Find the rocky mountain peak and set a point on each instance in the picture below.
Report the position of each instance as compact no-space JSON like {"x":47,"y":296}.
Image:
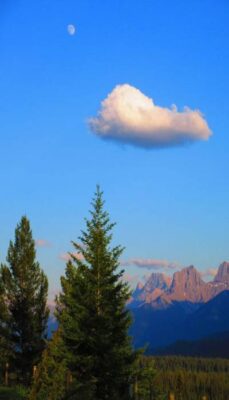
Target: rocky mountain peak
{"x":223,"y":273}
{"x":139,"y":286}
{"x":187,"y":278}
{"x":157,"y":280}
{"x":155,"y":285}
{"x":187,"y":285}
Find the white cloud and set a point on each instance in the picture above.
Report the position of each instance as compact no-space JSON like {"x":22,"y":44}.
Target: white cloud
{"x":129,"y":116}
{"x":150,"y":263}
{"x":70,"y":256}
{"x":209,"y":273}
{"x":42,"y":243}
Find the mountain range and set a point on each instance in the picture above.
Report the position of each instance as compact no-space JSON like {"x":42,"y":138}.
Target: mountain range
{"x":183,"y":307}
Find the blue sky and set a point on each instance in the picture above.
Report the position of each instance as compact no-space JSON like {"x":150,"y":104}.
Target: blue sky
{"x":170,"y":203}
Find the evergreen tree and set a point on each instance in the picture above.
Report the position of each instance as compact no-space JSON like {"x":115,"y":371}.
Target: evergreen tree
{"x":4,"y":334}
{"x":51,"y":377}
{"x":144,"y":387}
{"x":25,"y":295}
{"x":93,"y":316}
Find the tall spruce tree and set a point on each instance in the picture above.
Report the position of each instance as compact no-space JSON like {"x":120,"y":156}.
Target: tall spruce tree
{"x":92,"y":313}
{"x":4,"y":343}
{"x":25,"y":289}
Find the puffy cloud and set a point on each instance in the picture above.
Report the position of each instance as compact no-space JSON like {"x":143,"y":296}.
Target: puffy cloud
{"x":69,"y":256}
{"x":209,"y":273}
{"x":42,"y":243}
{"x":150,"y":263}
{"x":129,"y":116}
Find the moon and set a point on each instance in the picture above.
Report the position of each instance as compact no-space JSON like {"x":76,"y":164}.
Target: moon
{"x":71,"y":29}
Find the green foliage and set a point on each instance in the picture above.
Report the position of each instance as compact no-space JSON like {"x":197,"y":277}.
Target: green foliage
{"x":24,"y":293}
{"x":143,"y":386}
{"x":4,"y":344}
{"x":50,"y":379}
{"x":16,"y":393}
{"x":93,"y":316}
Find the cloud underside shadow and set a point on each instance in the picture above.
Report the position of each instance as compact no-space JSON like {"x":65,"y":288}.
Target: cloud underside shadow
{"x":150,"y":264}
{"x":128,"y":116}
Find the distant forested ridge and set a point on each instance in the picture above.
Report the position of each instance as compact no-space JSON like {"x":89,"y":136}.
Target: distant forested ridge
{"x":192,"y":378}
{"x":211,"y":346}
